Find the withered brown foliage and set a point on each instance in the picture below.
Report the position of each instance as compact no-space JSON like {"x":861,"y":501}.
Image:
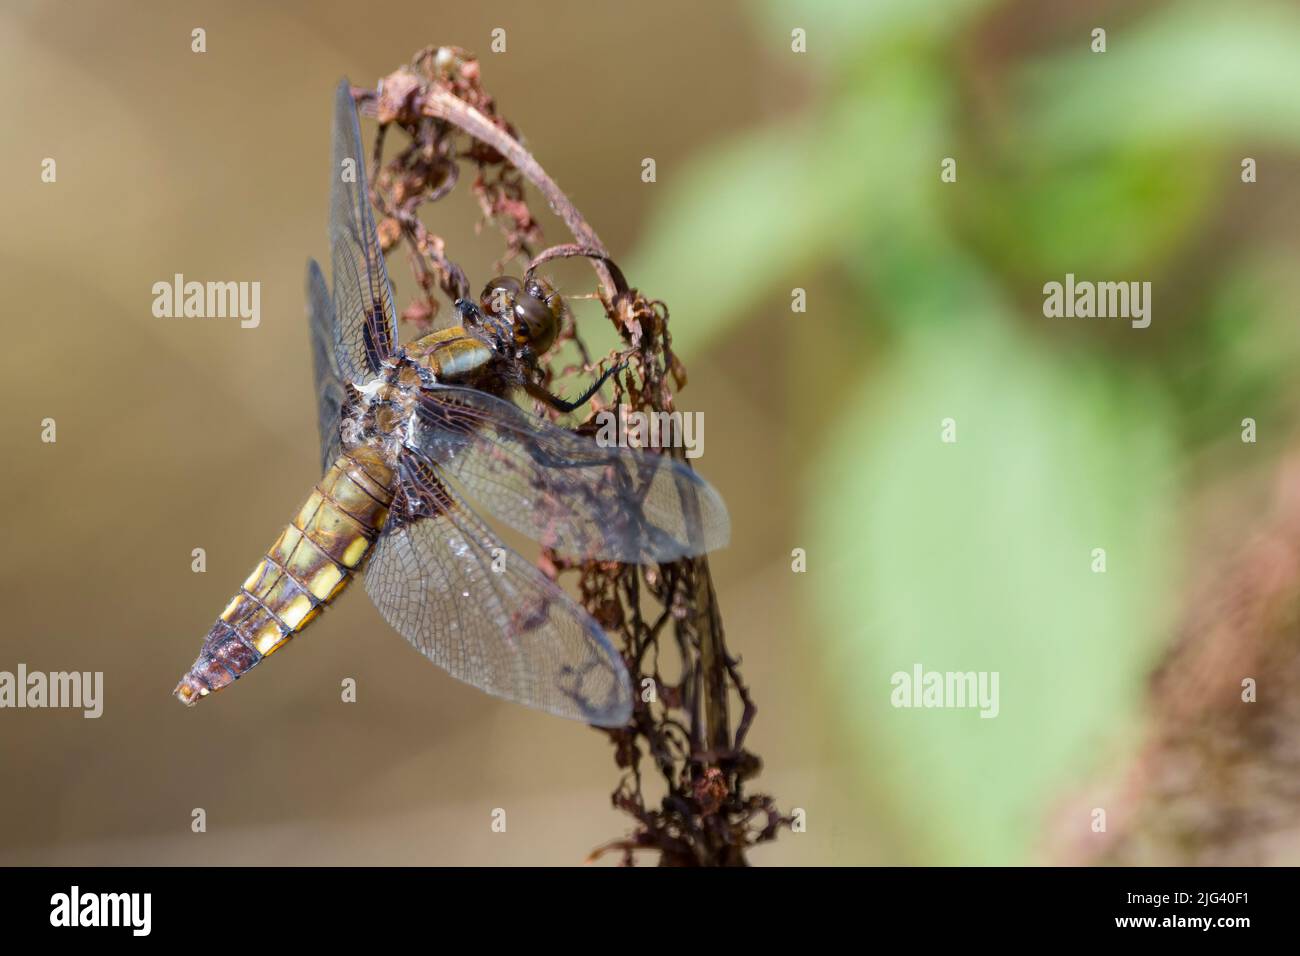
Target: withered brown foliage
{"x":661,"y":617}
{"x":1217,"y":780}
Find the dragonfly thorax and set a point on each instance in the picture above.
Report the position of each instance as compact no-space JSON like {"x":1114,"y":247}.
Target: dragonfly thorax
{"x":382,"y":411}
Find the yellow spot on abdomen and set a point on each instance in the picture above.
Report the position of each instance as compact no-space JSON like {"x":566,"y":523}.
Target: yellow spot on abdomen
{"x":252,"y":581}
{"x":324,"y":582}
{"x":233,"y":606}
{"x":355,"y":551}
{"x":296,"y":611}
{"x":267,"y":638}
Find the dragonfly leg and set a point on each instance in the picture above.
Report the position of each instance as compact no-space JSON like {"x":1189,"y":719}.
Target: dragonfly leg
{"x":563,"y":405}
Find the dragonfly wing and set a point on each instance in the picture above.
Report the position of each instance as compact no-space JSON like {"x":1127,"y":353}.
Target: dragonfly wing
{"x":476,"y":608}
{"x":564,"y":490}
{"x":330,"y":394}
{"x":363,"y":299}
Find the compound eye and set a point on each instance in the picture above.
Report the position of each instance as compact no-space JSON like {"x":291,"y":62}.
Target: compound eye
{"x":499,"y":295}
{"x":535,"y":323}
{"x":540,"y":289}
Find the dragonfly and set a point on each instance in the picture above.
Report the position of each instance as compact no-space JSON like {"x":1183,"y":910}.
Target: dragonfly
{"x":417,"y":443}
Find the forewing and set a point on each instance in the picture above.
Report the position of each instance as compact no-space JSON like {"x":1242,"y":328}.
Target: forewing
{"x":564,"y":490}
{"x":363,"y":299}
{"x":511,"y":632}
{"x":330,"y":394}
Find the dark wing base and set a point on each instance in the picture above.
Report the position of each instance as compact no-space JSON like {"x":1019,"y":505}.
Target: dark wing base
{"x":585,"y":501}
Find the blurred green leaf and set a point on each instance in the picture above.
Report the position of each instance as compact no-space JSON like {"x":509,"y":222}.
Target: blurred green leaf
{"x":749,"y":212}
{"x":1191,"y":71}
{"x":1244,"y":362}
{"x":1107,"y":215}
{"x":772,"y":208}
{"x":975,"y":556}
{"x":850,"y":29}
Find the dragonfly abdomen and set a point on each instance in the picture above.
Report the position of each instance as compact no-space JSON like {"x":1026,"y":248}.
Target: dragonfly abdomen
{"x":309,"y":565}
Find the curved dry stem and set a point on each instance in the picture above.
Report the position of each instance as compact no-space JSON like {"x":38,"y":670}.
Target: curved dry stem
{"x":440,"y":104}
{"x":706,"y":817}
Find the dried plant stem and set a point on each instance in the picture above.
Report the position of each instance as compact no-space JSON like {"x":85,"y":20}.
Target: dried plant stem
{"x":705,"y":818}
{"x":442,"y":105}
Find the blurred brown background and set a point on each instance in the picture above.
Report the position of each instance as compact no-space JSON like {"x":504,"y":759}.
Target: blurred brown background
{"x":183,"y":433}
{"x":777,"y":170}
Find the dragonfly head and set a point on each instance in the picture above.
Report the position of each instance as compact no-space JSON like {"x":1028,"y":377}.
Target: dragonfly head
{"x":533,"y":309}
